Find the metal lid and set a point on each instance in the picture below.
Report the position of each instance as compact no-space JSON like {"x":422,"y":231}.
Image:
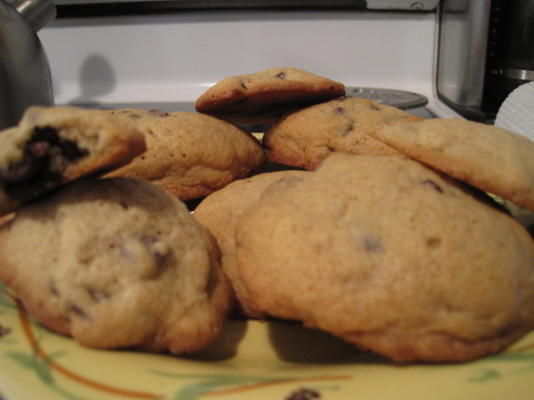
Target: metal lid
{"x":391,"y":97}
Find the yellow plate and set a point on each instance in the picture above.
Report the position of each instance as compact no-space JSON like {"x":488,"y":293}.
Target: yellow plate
{"x":252,"y":360}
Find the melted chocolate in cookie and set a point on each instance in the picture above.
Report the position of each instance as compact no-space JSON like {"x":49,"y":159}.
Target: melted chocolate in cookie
{"x":35,"y":168}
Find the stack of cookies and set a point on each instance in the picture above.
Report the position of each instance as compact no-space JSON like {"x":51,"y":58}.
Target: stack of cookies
{"x":118,"y":262}
{"x":376,"y":225}
{"x":380,"y":230}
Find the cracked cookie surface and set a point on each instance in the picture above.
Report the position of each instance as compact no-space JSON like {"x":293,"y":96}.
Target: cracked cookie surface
{"x":116,"y":263}
{"x":384,"y":253}
{"x":265,"y":95}
{"x":306,"y":137}
{"x":189,"y":154}
{"x":54,"y":145}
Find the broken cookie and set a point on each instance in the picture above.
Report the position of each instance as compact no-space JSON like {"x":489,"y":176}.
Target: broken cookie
{"x":55,"y":145}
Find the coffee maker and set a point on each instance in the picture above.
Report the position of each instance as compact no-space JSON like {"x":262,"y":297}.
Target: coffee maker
{"x":485,"y":51}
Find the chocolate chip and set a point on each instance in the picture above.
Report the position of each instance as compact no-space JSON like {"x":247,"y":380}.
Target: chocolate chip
{"x":303,"y":394}
{"x":70,"y":150}
{"x":157,"y":249}
{"x":16,"y":172}
{"x":97,"y":295}
{"x":373,"y":245}
{"x":4,"y":330}
{"x":433,"y":185}
{"x":347,"y":126}
{"x":74,"y":309}
{"x":433,"y":242}
{"x":39,"y":149}
{"x":348,"y":129}
{"x":35,"y":165}
{"x":339,"y":110}
{"x":329,"y":148}
{"x":158,"y":113}
{"x":280,"y":75}
{"x":44,"y":138}
{"x":133,"y":116}
{"x":243,"y":84}
{"x":53,"y":289}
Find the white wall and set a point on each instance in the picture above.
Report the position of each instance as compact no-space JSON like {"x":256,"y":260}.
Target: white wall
{"x":173,"y":58}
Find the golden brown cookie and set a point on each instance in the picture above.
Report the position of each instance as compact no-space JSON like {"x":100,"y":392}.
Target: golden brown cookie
{"x":220,"y":213}
{"x":488,"y":157}
{"x":384,"y":253}
{"x":116,"y":263}
{"x":55,"y":145}
{"x":265,"y":95}
{"x":305,"y":137}
{"x":190,"y":154}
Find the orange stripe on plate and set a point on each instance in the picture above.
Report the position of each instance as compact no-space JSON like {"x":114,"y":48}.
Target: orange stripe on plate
{"x":27,"y":329}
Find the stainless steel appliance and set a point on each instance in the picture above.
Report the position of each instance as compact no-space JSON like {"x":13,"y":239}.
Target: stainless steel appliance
{"x":24,"y":70}
{"x":485,"y":50}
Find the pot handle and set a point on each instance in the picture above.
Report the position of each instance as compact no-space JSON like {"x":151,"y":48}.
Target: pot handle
{"x":37,"y":13}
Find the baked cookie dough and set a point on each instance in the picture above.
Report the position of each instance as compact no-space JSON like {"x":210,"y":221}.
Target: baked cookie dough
{"x":488,"y":157}
{"x":384,"y":253}
{"x":116,"y":263}
{"x":54,"y":145}
{"x":306,"y":137}
{"x":264,"y":96}
{"x":220,"y":213}
{"x":189,"y":154}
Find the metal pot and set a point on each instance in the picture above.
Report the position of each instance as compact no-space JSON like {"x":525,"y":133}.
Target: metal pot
{"x":25,"y":77}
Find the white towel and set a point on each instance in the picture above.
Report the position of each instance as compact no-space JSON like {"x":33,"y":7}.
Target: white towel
{"x":517,"y":111}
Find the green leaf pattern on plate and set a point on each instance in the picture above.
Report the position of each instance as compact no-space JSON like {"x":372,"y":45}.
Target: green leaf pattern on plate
{"x":483,"y":371}
{"x":207,"y":383}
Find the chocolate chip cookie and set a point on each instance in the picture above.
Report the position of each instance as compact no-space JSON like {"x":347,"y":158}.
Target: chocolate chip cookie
{"x":264,"y":96}
{"x":116,"y":263}
{"x":306,"y":137}
{"x":220,"y":213}
{"x":488,"y":157}
{"x":384,"y":253}
{"x":189,"y":154}
{"x":54,"y":145}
